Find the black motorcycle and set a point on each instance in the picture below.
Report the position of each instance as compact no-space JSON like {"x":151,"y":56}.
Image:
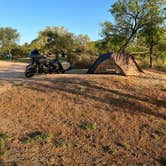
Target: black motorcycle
{"x":45,"y":65}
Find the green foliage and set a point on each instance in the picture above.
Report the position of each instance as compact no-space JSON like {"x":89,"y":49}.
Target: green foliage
{"x":58,"y":41}
{"x":8,"y":36}
{"x":131,"y":17}
{"x":158,"y":44}
{"x":8,"y":39}
{"x":55,"y":40}
{"x":52,"y":40}
{"x":152,"y":30}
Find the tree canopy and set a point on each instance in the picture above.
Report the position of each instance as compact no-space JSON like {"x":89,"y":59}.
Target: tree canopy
{"x":131,"y":17}
{"x":8,"y":38}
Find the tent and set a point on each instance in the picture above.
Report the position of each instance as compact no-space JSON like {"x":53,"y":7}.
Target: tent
{"x":115,"y":63}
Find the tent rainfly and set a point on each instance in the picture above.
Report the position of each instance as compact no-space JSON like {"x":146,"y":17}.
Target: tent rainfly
{"x":115,"y":63}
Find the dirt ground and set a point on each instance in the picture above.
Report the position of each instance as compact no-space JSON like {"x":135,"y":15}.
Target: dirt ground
{"x":82,"y":120}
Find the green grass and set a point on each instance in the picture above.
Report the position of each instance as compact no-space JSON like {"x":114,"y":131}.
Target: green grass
{"x":24,"y":60}
{"x":88,"y":126}
{"x":161,"y":67}
{"x":3,"y":139}
{"x":2,"y":146}
{"x":20,"y":120}
{"x":2,"y":163}
{"x":37,"y":136}
{"x":159,"y":64}
{"x":126,"y":146}
{"x":18,"y":84}
{"x":3,"y":136}
{"x":60,"y":143}
{"x":39,"y":99}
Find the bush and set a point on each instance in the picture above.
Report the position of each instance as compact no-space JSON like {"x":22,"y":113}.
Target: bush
{"x":83,"y":60}
{"x":158,"y":62}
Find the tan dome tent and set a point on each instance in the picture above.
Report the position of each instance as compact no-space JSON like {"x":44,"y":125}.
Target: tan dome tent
{"x":115,"y":63}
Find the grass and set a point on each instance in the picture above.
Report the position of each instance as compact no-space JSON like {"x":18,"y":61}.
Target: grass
{"x":158,"y":131}
{"x":23,"y":60}
{"x":18,"y":84}
{"x":3,"y":136}
{"x":37,"y":136}
{"x":161,"y":67}
{"x":3,"y":139}
{"x":161,"y":131}
{"x":109,"y":149}
{"x":159,"y":64}
{"x":124,"y":145}
{"x":2,"y":163}
{"x":88,"y":126}
{"x":20,"y":120}
{"x":39,"y":99}
{"x":2,"y":146}
{"x":60,"y":143}
{"x":114,"y":109}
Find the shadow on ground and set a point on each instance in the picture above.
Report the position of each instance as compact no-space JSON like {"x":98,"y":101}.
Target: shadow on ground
{"x":91,"y":91}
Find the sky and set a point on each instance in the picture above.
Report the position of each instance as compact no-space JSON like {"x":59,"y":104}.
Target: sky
{"x":77,"y":16}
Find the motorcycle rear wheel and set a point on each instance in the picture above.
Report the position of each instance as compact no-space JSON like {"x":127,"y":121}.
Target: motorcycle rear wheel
{"x":30,"y":71}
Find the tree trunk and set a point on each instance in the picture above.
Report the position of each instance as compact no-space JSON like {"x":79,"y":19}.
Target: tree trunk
{"x":150,"y":56}
{"x":10,"y":55}
{"x":124,"y":46}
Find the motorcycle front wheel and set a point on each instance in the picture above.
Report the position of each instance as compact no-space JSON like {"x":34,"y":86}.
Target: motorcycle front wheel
{"x":30,"y":71}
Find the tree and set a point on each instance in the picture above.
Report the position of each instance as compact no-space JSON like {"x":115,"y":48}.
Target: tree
{"x":81,"y":43}
{"x":112,"y":40}
{"x":153,"y":29}
{"x":160,"y":48}
{"x":8,"y":39}
{"x":131,"y":16}
{"x":152,"y":34}
{"x":56,"y":40}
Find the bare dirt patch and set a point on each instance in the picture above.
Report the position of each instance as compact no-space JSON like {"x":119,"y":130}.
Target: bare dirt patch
{"x":72,"y":119}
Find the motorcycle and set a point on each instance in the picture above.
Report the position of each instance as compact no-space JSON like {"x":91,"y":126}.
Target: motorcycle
{"x":45,"y":65}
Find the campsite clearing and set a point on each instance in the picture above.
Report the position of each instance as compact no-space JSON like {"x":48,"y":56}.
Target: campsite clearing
{"x":81,"y":119}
